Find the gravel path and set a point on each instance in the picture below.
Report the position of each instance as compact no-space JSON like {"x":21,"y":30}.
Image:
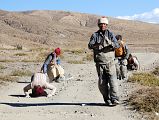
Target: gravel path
{"x":76,"y":99}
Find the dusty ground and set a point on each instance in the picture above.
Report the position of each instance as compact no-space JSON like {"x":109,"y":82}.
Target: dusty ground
{"x":38,"y":29}
{"x":76,"y":99}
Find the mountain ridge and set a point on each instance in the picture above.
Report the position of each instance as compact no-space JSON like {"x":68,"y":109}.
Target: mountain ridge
{"x":65,"y":29}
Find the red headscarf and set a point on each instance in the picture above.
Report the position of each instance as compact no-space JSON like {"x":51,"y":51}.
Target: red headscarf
{"x":58,"y":51}
{"x":38,"y":91}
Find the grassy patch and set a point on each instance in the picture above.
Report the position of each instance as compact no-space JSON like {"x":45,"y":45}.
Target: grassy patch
{"x":20,"y":54}
{"x":27,"y":60}
{"x":2,"y":67}
{"x":78,"y":51}
{"x":5,"y":60}
{"x":146,"y":79}
{"x":146,"y":100}
{"x":21,"y":73}
{"x":4,"y":79}
{"x":36,"y":57}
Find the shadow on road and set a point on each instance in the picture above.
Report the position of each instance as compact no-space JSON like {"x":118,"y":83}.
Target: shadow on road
{"x":46,"y":104}
{"x":22,"y":82}
{"x":17,"y":95}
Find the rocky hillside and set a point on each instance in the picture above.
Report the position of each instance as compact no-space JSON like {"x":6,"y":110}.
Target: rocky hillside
{"x":68,"y":29}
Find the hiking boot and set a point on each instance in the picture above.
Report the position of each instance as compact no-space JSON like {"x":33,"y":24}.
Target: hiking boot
{"x":125,"y":79}
{"x":108,"y":103}
{"x":115,"y":102}
{"x":60,"y":79}
{"x":120,"y":77}
{"x":56,"y":80}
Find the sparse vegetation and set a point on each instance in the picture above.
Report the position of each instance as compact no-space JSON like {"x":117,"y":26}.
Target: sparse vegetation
{"x":41,"y":57}
{"x":6,"y":60}
{"x":75,"y":51}
{"x":75,"y":62}
{"x":39,"y":49}
{"x":146,"y":99}
{"x":20,"y":54}
{"x":89,"y":57}
{"x":78,"y":51}
{"x":28,"y":60}
{"x":21,"y":73}
{"x":146,"y":79}
{"x":2,"y":67}
{"x":156,"y":71}
{"x":7,"y":78}
{"x":19,"y":47}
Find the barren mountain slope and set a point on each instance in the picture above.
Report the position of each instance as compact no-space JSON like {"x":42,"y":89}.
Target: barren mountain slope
{"x":65,"y":29}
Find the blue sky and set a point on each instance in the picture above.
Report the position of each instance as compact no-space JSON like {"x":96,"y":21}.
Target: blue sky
{"x":142,"y":10}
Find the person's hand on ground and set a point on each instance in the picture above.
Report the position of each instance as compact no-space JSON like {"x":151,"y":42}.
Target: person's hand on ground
{"x":49,"y":95}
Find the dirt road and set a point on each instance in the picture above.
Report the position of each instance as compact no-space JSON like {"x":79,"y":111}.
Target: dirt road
{"x":76,"y":99}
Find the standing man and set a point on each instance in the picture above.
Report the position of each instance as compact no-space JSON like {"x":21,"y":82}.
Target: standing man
{"x":103,"y":43}
{"x":121,"y":55}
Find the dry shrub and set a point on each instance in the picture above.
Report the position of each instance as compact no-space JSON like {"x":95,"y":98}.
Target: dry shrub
{"x":156,"y":71}
{"x":146,"y":100}
{"x":19,"y":47}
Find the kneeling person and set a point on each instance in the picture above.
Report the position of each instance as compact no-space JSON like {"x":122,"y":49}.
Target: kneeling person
{"x":133,"y":63}
{"x":52,"y":66}
{"x":38,"y":84}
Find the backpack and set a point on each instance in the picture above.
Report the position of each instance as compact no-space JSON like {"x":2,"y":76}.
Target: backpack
{"x":119,"y":52}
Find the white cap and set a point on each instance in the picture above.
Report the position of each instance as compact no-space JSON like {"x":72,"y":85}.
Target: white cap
{"x":103,"y":20}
